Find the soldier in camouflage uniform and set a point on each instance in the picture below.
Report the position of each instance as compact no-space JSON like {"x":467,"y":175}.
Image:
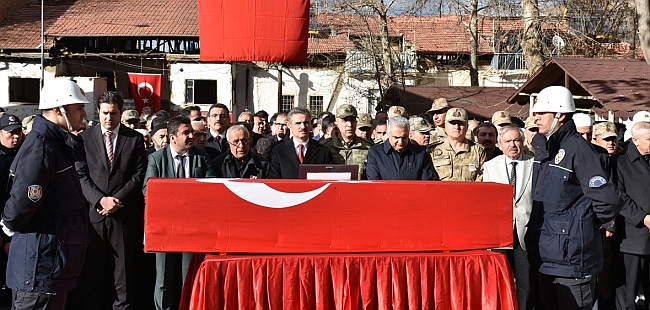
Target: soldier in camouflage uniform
{"x":456,"y":158}
{"x":346,"y":147}
{"x":530,"y":130}
{"x":364,"y":126}
{"x":438,"y":110}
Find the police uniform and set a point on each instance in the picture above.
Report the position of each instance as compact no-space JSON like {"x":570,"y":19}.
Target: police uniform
{"x":572,"y":196}
{"x":466,"y":165}
{"x":47,"y":211}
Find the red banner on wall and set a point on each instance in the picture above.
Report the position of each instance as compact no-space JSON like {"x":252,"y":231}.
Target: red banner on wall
{"x":304,"y":216}
{"x":145,"y":89}
{"x":254,"y":30}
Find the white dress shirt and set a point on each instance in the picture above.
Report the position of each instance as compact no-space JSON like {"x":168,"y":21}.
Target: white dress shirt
{"x":177,"y":162}
{"x":113,"y":136}
{"x":304,"y":149}
{"x":520,"y":171}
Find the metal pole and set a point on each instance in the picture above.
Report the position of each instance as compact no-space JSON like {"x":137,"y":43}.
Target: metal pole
{"x":42,"y":45}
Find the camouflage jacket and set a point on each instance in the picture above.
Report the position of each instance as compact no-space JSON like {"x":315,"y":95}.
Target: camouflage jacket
{"x":466,"y":165}
{"x":356,"y":153}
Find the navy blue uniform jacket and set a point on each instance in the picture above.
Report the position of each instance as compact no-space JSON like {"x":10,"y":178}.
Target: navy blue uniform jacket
{"x":573,"y":195}
{"x":413,"y":163}
{"x":47,"y":211}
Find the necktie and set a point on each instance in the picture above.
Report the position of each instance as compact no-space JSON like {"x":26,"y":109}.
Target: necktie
{"x":301,"y":157}
{"x":108,"y":142}
{"x":513,"y":177}
{"x":180,"y":172}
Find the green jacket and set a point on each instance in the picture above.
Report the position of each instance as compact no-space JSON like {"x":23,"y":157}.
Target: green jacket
{"x":356,"y":153}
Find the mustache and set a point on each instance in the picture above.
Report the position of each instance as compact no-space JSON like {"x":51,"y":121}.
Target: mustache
{"x":513,"y":149}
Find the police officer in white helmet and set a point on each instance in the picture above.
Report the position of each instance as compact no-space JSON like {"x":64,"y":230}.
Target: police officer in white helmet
{"x":46,"y":214}
{"x":572,"y":196}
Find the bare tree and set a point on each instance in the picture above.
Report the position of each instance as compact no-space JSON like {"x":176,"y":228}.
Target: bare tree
{"x":532,"y":36}
{"x":643,"y":14}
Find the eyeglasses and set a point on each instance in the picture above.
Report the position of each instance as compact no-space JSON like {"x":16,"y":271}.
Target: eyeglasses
{"x":237,"y":143}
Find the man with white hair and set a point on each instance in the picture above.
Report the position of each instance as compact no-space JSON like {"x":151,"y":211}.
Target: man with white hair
{"x":633,"y":172}
{"x":638,"y":117}
{"x":398,"y":158}
{"x":241,"y":161}
{"x":584,"y":125}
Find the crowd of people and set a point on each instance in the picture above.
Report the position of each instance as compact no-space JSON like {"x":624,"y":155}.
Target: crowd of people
{"x":74,"y":199}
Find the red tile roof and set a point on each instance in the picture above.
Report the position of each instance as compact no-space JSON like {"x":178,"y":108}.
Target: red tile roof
{"x":98,"y":18}
{"x":22,"y":30}
{"x":618,"y":85}
{"x":332,"y":44}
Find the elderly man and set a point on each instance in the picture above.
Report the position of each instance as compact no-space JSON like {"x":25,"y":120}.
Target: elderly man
{"x":584,"y":125}
{"x":398,"y":158}
{"x":346,"y":147}
{"x":456,"y":158}
{"x":633,"y":173}
{"x":159,"y":137}
{"x":247,"y":117}
{"x":241,"y":161}
{"x":287,"y":156}
{"x":572,"y":196}
{"x":516,"y":169}
{"x":419,"y":131}
{"x":486,"y":136}
{"x":200,"y":134}
{"x":438,"y":110}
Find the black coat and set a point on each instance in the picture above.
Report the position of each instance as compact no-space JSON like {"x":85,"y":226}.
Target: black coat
{"x":255,"y":167}
{"x":284,"y":160}
{"x":414,"y":163}
{"x":47,"y":210}
{"x":633,"y":184}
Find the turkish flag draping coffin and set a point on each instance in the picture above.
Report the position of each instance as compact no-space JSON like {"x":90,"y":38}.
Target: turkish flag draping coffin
{"x":254,"y":30}
{"x":300,"y":216}
{"x":145,"y":89}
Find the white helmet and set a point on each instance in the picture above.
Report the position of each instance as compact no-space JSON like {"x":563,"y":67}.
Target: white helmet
{"x":555,"y":99}
{"x":60,"y":92}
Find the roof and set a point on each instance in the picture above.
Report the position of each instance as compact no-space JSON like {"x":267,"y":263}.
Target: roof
{"x":330,"y":44}
{"x":479,"y":102}
{"x":22,"y":29}
{"x":618,"y":85}
{"x":132,"y":18}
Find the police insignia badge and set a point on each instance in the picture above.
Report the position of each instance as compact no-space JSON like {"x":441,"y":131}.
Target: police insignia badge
{"x":457,"y":113}
{"x":503,"y":114}
{"x":34,"y":192}
{"x":597,"y":181}
{"x":560,"y":156}
{"x":437,"y":152}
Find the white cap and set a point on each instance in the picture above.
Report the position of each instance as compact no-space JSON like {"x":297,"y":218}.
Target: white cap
{"x":643,"y":116}
{"x":556,"y":99}
{"x":143,"y":132}
{"x":582,"y":120}
{"x":61,"y":92}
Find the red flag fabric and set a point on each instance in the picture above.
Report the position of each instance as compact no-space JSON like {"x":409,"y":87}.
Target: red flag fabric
{"x":254,"y":30}
{"x":145,"y":89}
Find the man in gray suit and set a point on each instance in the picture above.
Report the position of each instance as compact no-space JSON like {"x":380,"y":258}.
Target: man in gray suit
{"x":515,"y":168}
{"x":179,"y":159}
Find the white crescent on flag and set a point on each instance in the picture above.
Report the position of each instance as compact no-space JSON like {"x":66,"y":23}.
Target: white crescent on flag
{"x":144,"y":85}
{"x":265,"y":196}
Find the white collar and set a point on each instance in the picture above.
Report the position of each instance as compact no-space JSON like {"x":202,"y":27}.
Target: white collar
{"x":104,"y":130}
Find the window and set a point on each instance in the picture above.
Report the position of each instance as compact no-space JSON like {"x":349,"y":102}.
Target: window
{"x":316,"y":104}
{"x":286,"y":104}
{"x":201,"y":91}
{"x":24,"y":90}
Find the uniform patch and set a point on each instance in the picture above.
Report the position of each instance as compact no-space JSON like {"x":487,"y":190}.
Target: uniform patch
{"x":472,"y":167}
{"x":560,"y":156}
{"x":34,"y":192}
{"x":437,"y":152}
{"x":597,"y":181}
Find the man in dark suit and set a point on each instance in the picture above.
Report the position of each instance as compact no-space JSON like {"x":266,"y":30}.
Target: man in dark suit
{"x":287,"y":156}
{"x":179,"y":159}
{"x":240,"y":161}
{"x":398,"y":158}
{"x":218,"y":122}
{"x":111,"y":178}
